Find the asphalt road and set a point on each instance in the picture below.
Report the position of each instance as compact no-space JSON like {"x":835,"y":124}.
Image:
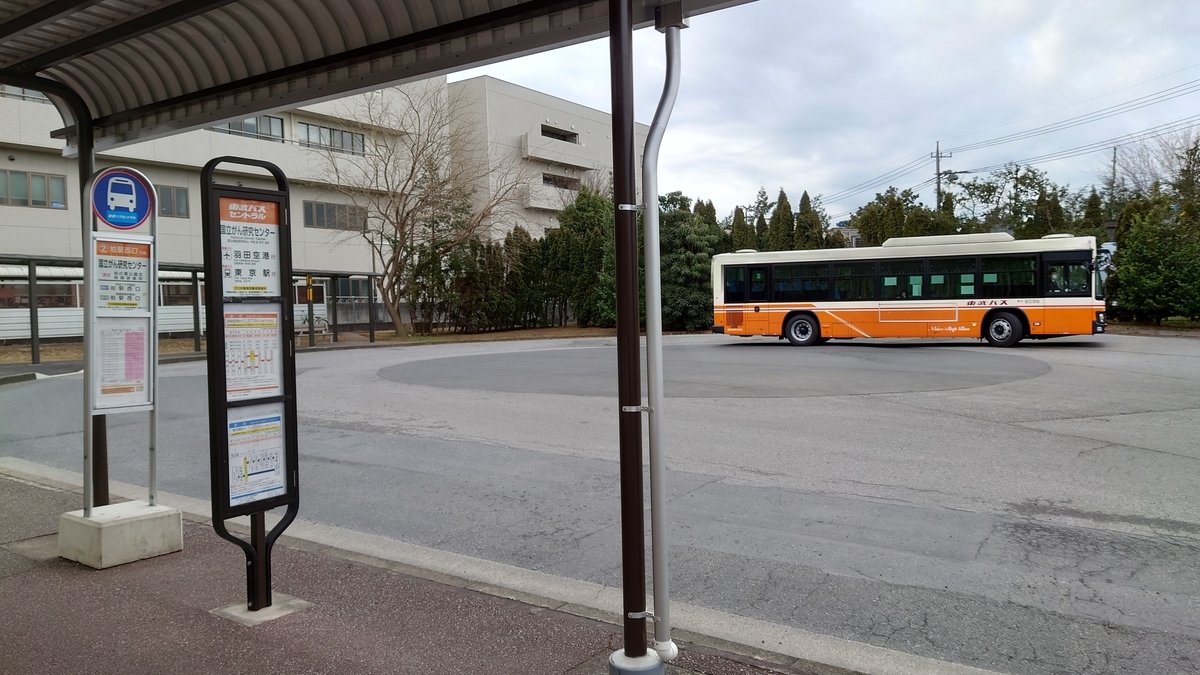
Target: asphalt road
{"x":1033,"y":510}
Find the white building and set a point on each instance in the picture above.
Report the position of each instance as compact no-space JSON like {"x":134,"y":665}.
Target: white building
{"x":558,"y":146}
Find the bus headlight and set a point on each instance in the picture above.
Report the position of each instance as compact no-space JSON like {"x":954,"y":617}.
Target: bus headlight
{"x":1100,"y":317}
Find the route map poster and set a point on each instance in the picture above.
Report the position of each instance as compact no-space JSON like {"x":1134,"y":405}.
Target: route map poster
{"x":253,"y":352}
{"x":122,"y":275}
{"x":256,"y":453}
{"x":249,"y":248}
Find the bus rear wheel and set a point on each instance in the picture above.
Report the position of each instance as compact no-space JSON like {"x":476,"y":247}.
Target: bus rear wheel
{"x":1004,"y":330}
{"x":802,"y":330}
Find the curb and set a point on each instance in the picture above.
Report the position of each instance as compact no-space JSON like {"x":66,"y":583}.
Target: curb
{"x":763,"y":643}
{"x":19,"y":377}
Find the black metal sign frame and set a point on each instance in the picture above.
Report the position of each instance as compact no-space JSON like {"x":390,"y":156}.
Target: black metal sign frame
{"x":220,"y":404}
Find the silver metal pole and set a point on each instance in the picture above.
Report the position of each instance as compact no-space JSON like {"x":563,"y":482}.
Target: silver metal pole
{"x":663,"y":644}
{"x":155,"y":299}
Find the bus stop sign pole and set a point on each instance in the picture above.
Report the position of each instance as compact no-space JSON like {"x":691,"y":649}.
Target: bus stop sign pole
{"x":251,"y":364}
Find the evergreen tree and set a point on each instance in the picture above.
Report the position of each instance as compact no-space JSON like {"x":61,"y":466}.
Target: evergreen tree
{"x":1159,"y":267}
{"x":1092,"y":222}
{"x":743,"y":235}
{"x":1038,"y":223}
{"x":946,"y":208}
{"x":1058,"y":219}
{"x":781,"y":230}
{"x":760,"y":233}
{"x":810,"y":227}
{"x":588,"y":226}
{"x":761,"y":207}
{"x":687,"y":246}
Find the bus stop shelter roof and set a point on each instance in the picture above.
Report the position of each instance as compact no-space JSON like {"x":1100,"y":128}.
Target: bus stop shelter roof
{"x":148,"y":68}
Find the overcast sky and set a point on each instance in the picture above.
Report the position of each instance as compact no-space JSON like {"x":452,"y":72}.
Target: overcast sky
{"x":821,"y":96}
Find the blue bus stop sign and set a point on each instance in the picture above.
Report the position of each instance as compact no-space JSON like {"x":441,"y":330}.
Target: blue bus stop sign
{"x":121,"y":199}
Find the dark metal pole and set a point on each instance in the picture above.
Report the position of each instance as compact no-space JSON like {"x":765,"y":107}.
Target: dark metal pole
{"x":100,"y":460}
{"x":333,"y":281}
{"x":195,"y":311}
{"x":85,"y":135}
{"x":633,"y":551}
{"x":35,"y":346}
{"x":258,"y":577}
{"x":371,"y":308}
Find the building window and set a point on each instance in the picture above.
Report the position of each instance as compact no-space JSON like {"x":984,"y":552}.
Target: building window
{"x":9,"y":91}
{"x":560,"y":182}
{"x":18,"y":188}
{"x":265,"y":127}
{"x":560,"y":134}
{"x":328,"y":216}
{"x":316,"y":136}
{"x":172,"y":201}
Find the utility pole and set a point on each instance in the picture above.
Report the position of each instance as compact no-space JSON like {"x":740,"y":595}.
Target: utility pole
{"x":1112,"y":185}
{"x":937,"y":156}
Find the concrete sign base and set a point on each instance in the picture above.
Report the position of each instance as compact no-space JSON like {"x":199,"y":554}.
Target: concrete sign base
{"x":282,"y":605}
{"x":650,"y":664}
{"x":119,"y":533}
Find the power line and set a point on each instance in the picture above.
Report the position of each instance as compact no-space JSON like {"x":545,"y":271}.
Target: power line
{"x":1079,"y":120}
{"x":880,"y":180}
{"x":1094,"y":116}
{"x":1127,"y":139}
{"x":1094,"y":98}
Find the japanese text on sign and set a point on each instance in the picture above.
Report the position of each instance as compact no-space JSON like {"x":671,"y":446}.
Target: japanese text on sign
{"x":253,"y":350}
{"x":122,"y":349}
{"x":122,"y":275}
{"x":256,"y":447}
{"x":249,"y":248}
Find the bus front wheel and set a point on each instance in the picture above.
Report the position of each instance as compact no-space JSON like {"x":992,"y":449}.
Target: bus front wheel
{"x":1004,"y":330}
{"x":803,"y":330}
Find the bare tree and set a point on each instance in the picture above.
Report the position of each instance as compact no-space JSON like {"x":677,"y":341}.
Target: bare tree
{"x":424,"y":181}
{"x":1156,"y":160}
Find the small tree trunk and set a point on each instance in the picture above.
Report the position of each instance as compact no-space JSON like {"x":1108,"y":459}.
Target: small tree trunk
{"x":393,"y":309}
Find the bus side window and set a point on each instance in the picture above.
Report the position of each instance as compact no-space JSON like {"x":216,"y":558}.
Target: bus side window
{"x":951,"y":278}
{"x":1067,"y":276}
{"x":735,"y":285}
{"x":854,"y":281}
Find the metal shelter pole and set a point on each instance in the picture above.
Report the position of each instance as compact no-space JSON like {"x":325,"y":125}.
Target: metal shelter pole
{"x":668,"y":19}
{"x":333,"y":324}
{"x":195,"y":311}
{"x":633,"y":659}
{"x":95,"y":429}
{"x":371,"y":308}
{"x":35,"y":347}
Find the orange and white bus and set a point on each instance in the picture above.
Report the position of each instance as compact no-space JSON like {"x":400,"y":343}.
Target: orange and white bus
{"x":984,"y":286}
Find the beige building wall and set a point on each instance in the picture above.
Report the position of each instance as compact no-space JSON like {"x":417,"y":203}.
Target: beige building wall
{"x":175,"y":161}
{"x":556,"y":146}
{"x":551,"y":141}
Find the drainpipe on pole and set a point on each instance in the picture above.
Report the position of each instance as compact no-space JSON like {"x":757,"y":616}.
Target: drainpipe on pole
{"x":668,"y":19}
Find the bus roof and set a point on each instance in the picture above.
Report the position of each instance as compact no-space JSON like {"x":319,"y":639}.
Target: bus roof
{"x":912,"y":247}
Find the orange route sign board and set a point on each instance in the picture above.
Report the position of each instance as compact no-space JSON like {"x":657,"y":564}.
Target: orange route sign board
{"x":249,"y":248}
{"x":122,"y":275}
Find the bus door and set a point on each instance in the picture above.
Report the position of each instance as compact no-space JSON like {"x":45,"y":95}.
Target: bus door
{"x":756,"y":316}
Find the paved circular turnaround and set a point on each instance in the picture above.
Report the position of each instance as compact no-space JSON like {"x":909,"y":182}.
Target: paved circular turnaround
{"x":1030,"y":511}
{"x":756,"y":369}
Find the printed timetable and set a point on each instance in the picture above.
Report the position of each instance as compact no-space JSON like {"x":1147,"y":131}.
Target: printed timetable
{"x":253,"y":366}
{"x":257,"y":469}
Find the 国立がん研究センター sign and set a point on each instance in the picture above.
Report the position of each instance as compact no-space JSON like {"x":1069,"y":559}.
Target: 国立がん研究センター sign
{"x":121,"y":200}
{"x":249,"y":247}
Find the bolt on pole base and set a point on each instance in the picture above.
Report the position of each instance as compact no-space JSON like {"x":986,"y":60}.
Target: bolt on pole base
{"x":650,"y":664}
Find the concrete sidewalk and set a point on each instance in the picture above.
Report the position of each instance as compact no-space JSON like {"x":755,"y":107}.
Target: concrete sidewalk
{"x":367,"y":614}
